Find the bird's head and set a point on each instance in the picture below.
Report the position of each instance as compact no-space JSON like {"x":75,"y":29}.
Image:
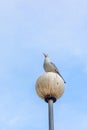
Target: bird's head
{"x":45,"y":55}
{"x":46,"y":58}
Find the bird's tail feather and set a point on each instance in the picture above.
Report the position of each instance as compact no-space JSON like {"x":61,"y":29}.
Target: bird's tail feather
{"x":61,"y":76}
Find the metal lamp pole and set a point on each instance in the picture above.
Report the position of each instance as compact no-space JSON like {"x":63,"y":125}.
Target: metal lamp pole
{"x":51,"y":118}
{"x":50,"y":100}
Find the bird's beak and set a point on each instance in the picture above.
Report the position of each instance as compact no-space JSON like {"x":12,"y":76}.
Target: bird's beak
{"x":44,"y":54}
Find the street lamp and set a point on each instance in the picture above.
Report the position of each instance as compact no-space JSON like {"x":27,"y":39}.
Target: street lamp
{"x":50,"y":87}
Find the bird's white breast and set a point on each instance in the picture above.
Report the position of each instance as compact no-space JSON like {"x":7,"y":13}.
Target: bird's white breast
{"x":48,"y":67}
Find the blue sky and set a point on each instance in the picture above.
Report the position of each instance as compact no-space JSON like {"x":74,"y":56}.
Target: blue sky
{"x":28,"y":28}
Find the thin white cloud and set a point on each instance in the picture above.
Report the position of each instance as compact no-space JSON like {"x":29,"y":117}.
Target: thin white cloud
{"x":13,"y":122}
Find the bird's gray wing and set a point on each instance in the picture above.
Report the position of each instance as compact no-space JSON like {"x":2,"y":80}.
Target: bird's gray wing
{"x":57,"y":71}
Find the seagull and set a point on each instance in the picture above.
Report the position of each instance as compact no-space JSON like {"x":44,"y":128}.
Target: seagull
{"x":50,"y":67}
